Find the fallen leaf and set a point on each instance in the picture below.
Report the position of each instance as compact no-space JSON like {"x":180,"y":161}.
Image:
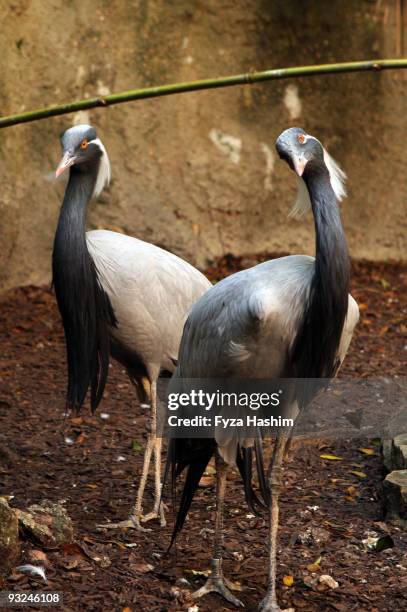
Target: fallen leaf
{"x":206,"y":481}
{"x":288,"y":581}
{"x":367,"y":451}
{"x":210,"y":471}
{"x":384,"y":283}
{"x":76,"y":421}
{"x":142,"y":568}
{"x":38,"y":555}
{"x":70,"y":564}
{"x":316,"y":566}
{"x":358,"y":474}
{"x":136,"y":446}
{"x":204,"y":573}
{"x":331,"y":457}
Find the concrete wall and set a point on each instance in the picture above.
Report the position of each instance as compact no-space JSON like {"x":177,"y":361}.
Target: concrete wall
{"x":197,"y":173}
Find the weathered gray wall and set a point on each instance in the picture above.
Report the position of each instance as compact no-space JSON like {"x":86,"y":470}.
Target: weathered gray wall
{"x":178,"y":181}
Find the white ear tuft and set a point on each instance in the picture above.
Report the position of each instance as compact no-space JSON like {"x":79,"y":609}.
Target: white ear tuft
{"x":104,"y":174}
{"x":336,"y":175}
{"x":302,"y":203}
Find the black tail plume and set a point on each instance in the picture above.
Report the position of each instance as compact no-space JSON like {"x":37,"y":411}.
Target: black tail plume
{"x":86,"y":314}
{"x":193,"y":454}
{"x":244,"y":462}
{"x":263,"y":484}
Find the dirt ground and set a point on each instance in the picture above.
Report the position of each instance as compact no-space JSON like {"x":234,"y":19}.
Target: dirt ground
{"x":97,"y":475}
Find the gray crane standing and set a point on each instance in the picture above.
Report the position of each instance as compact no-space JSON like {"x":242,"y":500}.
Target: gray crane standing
{"x":291,"y":317}
{"x":117,"y":296}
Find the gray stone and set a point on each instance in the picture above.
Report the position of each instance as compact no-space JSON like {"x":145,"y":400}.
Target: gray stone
{"x":387,"y":446}
{"x":48,"y":523}
{"x":399,"y":452}
{"x":9,"y":542}
{"x":395,"y":496}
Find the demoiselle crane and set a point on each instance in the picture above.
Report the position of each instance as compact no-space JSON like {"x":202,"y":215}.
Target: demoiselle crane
{"x":117,"y":296}
{"x":290,"y":317}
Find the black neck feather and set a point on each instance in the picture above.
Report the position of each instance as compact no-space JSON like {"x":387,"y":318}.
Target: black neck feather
{"x":84,"y":306}
{"x":315,"y":349}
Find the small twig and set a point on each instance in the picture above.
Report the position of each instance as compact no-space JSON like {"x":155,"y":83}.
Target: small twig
{"x":229,"y":81}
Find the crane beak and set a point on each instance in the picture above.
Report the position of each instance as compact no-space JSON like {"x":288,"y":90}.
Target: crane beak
{"x":66,"y":162}
{"x":299,"y":163}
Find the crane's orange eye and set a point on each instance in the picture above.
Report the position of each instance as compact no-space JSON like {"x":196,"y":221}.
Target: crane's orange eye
{"x":301,"y":138}
{"x":84,"y":144}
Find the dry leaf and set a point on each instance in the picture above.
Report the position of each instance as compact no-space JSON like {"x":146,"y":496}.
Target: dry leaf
{"x":367,"y":451}
{"x":288,"y":581}
{"x":81,"y":438}
{"x":331,"y":457}
{"x":142,"y":568}
{"x":358,"y":474}
{"x":38,"y":555}
{"x":205,"y":573}
{"x":316,"y":566}
{"x":206,"y":481}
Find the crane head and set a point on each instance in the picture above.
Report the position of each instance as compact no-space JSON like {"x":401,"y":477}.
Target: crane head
{"x":302,"y":151}
{"x":81,"y":146}
{"x":298,"y":148}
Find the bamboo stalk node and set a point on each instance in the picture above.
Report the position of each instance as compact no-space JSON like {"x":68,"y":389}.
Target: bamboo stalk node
{"x":248,"y":78}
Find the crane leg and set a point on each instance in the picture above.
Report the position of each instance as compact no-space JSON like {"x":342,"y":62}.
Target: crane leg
{"x":158,"y":509}
{"x":216,"y":583}
{"x":269,"y":603}
{"x":153,"y":446}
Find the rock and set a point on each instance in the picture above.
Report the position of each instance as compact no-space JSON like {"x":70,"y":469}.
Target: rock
{"x":399,"y":453}
{"x":328,"y":581}
{"x":387,"y":446}
{"x":313,"y":535}
{"x":395,"y":496}
{"x":48,"y":523}
{"x":9,"y":542}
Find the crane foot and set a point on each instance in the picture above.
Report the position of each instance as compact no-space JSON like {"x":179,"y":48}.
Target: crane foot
{"x":131,"y":523}
{"x":269,"y":604}
{"x":154,"y":515}
{"x":217,"y":584}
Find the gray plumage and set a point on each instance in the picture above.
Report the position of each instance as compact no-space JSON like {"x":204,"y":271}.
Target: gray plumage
{"x":117,"y":296}
{"x":287,"y":318}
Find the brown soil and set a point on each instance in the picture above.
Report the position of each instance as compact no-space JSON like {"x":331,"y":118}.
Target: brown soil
{"x":97,"y":475}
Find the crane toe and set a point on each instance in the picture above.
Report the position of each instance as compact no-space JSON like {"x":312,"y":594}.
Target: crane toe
{"x":216,"y":585}
{"x":131,"y":523}
{"x":269,"y":604}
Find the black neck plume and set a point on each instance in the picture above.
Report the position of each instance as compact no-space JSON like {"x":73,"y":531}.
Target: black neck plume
{"x":315,"y":349}
{"x":84,"y":306}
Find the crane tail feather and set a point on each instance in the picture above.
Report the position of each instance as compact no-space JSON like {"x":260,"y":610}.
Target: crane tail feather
{"x":193,"y":454}
{"x":244,"y":462}
{"x":87,"y":315}
{"x":263,"y":484}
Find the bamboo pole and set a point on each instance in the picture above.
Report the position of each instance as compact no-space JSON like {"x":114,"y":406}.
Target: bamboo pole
{"x":166,"y":90}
